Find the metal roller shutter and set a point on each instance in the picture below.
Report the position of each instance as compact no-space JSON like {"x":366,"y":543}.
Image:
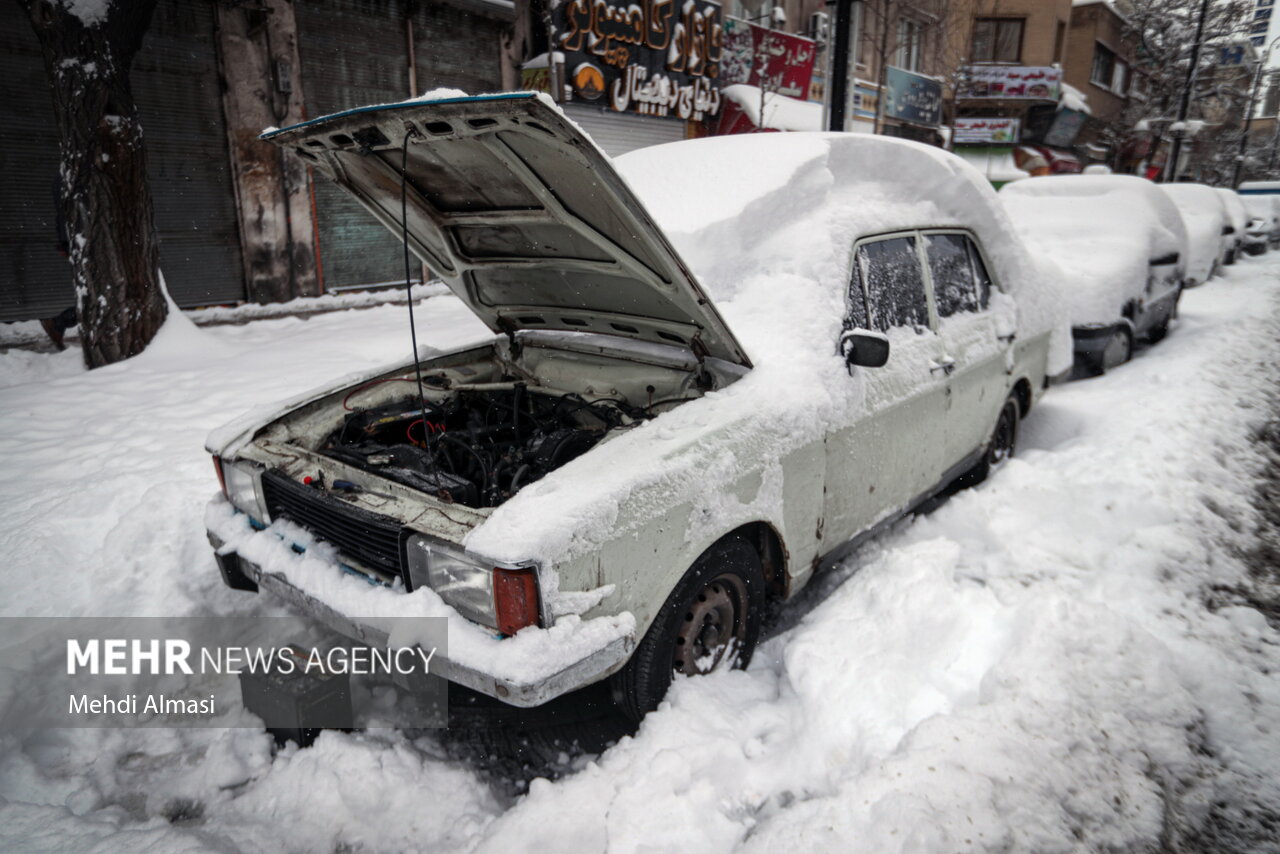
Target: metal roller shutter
{"x":353,"y":54}
{"x":35,"y":281}
{"x":175,"y":84}
{"x":618,"y":133}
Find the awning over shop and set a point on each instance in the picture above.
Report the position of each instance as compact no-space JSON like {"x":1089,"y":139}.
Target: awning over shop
{"x":740,"y":111}
{"x":996,"y":163}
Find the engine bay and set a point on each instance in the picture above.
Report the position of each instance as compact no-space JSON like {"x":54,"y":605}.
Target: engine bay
{"x":476,"y":445}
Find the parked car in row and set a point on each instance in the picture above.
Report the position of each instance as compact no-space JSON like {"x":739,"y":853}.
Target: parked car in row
{"x":1122,"y":243}
{"x":656,"y":442}
{"x":1238,"y":217}
{"x":1262,"y":200}
{"x":1209,"y":230}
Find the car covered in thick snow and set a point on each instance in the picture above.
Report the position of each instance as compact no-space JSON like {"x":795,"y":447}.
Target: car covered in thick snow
{"x":1209,"y":234}
{"x":1262,"y":200}
{"x":1121,"y":243}
{"x":1238,"y":216}
{"x":621,"y":480}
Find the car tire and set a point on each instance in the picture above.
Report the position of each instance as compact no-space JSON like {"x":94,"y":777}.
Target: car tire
{"x":1000,"y":447}
{"x":715,"y":610}
{"x":1119,"y":349}
{"x":1159,"y":332}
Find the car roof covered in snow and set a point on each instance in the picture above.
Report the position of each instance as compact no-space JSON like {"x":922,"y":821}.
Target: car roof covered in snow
{"x":793,"y":204}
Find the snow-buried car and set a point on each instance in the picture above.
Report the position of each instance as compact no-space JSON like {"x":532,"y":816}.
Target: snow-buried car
{"x":617,"y":484}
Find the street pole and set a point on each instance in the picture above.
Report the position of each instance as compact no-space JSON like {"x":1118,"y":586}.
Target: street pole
{"x":838,"y":85}
{"x":1184,"y":105}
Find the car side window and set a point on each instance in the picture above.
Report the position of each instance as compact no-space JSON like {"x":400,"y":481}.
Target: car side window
{"x":951,"y":267}
{"x":980,"y":274}
{"x":894,"y":281}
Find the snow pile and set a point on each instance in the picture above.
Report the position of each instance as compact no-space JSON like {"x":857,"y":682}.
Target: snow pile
{"x":996,"y":165}
{"x":1074,"y":99}
{"x":774,"y":254}
{"x":780,"y":112}
{"x":1205,"y":217}
{"x":1103,"y":230}
{"x":1064,"y":659}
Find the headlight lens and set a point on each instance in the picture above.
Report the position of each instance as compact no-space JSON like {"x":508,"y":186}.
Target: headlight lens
{"x":460,"y":581}
{"x":504,"y":599}
{"x":242,"y":489}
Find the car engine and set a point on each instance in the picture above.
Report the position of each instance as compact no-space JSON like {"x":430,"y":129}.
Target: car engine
{"x":476,"y":445}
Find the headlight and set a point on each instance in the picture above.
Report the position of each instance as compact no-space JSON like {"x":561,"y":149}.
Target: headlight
{"x":240,"y":484}
{"x":502,"y":599}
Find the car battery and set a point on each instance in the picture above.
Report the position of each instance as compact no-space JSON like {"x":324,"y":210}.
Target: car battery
{"x":296,"y":702}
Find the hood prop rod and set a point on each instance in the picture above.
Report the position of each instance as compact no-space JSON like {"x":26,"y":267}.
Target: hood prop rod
{"x":408,"y":290}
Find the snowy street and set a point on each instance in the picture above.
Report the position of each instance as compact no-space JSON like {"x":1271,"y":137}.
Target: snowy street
{"x":1069,"y":657}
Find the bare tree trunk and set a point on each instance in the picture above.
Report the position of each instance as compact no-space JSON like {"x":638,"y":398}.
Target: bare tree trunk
{"x":106,"y":202}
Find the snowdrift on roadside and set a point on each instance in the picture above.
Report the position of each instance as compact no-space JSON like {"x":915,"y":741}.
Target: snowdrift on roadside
{"x":1101,"y":230}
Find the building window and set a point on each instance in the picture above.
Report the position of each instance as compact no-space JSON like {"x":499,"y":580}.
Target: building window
{"x":1120,"y":78}
{"x":855,"y":36}
{"x":1104,"y":64}
{"x":910,"y":44}
{"x":997,"y":40}
{"x":1059,"y":39}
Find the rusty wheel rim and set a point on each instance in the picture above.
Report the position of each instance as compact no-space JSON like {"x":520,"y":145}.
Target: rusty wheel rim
{"x":713,"y":626}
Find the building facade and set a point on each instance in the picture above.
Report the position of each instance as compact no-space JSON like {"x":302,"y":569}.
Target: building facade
{"x":236,"y":221}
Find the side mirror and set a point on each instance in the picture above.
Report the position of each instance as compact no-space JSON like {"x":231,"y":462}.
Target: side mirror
{"x":864,"y":349}
{"x":1171,"y":258}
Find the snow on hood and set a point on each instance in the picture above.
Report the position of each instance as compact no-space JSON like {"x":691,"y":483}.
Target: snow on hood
{"x":1101,"y":230}
{"x":767,"y":223}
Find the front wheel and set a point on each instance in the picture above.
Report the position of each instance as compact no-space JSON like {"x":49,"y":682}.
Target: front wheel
{"x":710,"y":621}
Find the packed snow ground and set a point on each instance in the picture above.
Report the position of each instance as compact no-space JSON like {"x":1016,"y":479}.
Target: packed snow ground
{"x":1033,"y":666}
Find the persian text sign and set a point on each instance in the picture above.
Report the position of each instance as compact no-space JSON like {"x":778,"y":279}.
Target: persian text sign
{"x":912,"y":97}
{"x":777,"y":62}
{"x":1013,"y":81}
{"x":654,"y":57}
{"x":990,"y":130}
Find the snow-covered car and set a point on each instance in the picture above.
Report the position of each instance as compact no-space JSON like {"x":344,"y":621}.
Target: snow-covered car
{"x":1207,"y":222}
{"x":1239,"y":218}
{"x":1262,"y":200}
{"x":1121,"y":243}
{"x":619,"y":482}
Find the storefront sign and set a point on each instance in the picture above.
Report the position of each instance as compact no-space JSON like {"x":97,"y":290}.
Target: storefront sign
{"x":1013,"y":81}
{"x":865,"y":96}
{"x":912,"y":98}
{"x":986,"y":130}
{"x":778,"y":62}
{"x":653,"y":57}
{"x":1066,"y":126}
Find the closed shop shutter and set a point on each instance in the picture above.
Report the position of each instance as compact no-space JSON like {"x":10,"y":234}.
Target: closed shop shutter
{"x":618,"y":133}
{"x":35,"y":281}
{"x":175,"y":85}
{"x":353,"y":54}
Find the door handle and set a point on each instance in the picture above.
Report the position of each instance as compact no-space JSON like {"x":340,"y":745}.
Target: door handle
{"x":1008,"y":339}
{"x":945,"y":364}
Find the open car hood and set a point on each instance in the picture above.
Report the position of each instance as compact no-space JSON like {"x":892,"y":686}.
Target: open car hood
{"x":520,"y":214}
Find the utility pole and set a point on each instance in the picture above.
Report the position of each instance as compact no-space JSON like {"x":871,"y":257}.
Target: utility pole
{"x":838,"y":85}
{"x":1184,"y":105}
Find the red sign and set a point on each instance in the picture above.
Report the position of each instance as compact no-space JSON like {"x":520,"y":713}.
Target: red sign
{"x":775,"y":61}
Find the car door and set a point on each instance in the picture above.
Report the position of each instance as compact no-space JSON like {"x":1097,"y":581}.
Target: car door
{"x":972,"y":348}
{"x":892,"y":454}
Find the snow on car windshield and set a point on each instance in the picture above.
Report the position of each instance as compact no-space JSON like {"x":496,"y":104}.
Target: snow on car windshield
{"x":1205,"y":216}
